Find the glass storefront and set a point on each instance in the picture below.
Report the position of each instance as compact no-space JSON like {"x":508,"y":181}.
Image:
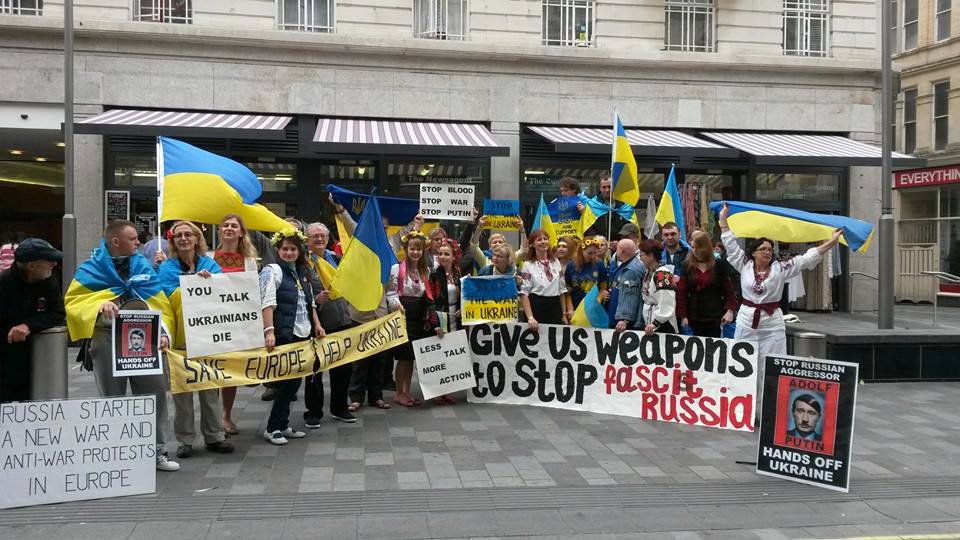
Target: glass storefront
{"x":930,"y":218}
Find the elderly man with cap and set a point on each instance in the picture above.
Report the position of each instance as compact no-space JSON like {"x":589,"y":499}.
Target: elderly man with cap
{"x":30,"y":302}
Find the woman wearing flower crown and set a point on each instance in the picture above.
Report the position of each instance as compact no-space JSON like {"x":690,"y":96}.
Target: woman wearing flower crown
{"x":445,"y":288}
{"x":408,"y":290}
{"x":543,"y":292}
{"x":585,"y":271}
{"x":289,"y":315}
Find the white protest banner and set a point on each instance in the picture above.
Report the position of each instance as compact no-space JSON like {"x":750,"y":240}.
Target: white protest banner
{"x":136,"y":343}
{"x":221,"y":313}
{"x":446,"y":201}
{"x":668,"y":377}
{"x":444,"y":365}
{"x":77,"y":449}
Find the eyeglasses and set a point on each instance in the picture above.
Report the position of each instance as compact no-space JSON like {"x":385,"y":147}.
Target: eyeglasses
{"x":763,"y":249}
{"x":184,"y":235}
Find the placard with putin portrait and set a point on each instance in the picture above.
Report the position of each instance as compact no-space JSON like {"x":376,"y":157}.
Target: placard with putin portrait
{"x":136,"y":343}
{"x":806,"y":420}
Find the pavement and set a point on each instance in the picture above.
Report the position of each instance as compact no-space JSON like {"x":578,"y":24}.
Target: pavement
{"x":497,"y":471}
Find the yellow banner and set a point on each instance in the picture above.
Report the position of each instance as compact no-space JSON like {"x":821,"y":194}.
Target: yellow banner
{"x":489,"y":311}
{"x":289,"y":361}
{"x":501,"y":223}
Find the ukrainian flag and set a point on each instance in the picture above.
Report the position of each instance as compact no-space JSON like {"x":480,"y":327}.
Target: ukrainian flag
{"x":96,"y":281}
{"x":365,"y":267}
{"x":670,"y":208}
{"x":749,"y":220}
{"x":326,"y":271}
{"x":543,"y":221}
{"x":169,"y":274}
{"x":196,"y":185}
{"x":590,"y":312}
{"x":594,"y":209}
{"x":623,"y":171}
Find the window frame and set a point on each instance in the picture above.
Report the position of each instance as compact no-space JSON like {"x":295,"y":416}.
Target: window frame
{"x":894,"y":27}
{"x":437,"y":32}
{"x":15,"y":7}
{"x":910,"y":125}
{"x":161,"y":14}
{"x":941,"y":20}
{"x":914,"y":23}
{"x":944,"y":116}
{"x":803,"y":13}
{"x":569,"y":37}
{"x":303,"y":25}
{"x":688,"y":11}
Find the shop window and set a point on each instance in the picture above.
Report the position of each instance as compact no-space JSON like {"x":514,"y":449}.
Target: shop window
{"x":941,"y":114}
{"x":805,"y":27}
{"x":21,"y":7}
{"x":910,"y":121}
{"x":164,"y":11}
{"x":275,"y":177}
{"x":943,"y":20}
{"x":134,"y":171}
{"x":403,"y":179}
{"x":950,"y":202}
{"x":306,"y":15}
{"x":910,"y":26}
{"x":440,"y":19}
{"x":918,"y":204}
{"x":950,"y":246}
{"x":568,"y":23}
{"x":798,"y":187}
{"x":689,"y":25}
{"x":894,"y":44}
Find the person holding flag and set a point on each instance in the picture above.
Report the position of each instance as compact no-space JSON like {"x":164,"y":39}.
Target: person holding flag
{"x":673,"y":230}
{"x":595,"y":217}
{"x":585,"y":271}
{"x":186,"y":257}
{"x":543,"y":292}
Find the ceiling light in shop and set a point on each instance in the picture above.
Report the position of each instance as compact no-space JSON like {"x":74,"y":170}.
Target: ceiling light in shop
{"x":17,"y":152}
{"x":427,"y":169}
{"x":61,"y":144}
{"x":361,"y":170}
{"x":534,"y":171}
{"x":40,"y":159}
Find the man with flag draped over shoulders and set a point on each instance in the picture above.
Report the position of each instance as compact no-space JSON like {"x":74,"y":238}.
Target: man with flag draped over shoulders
{"x":115,"y":277}
{"x":599,"y":206}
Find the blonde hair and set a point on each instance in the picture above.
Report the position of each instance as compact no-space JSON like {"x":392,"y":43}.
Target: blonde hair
{"x":505,"y":250}
{"x":201,"y":248}
{"x":244,"y":246}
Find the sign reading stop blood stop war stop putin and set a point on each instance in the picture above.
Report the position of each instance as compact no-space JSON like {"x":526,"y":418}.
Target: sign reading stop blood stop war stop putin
{"x":446,"y":201}
{"x":806,"y":428}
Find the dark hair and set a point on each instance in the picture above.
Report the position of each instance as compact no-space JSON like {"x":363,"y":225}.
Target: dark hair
{"x":651,"y":247}
{"x":532,"y":249}
{"x":605,"y":175}
{"x":670,"y":225}
{"x":570,"y":183}
{"x":809,"y":400}
{"x":138,"y":332}
{"x":301,"y":261}
{"x":756,"y":243}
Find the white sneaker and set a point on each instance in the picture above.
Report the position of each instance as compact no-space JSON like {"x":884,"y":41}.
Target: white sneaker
{"x":166,"y":464}
{"x":291,"y":433}
{"x":276,"y":437}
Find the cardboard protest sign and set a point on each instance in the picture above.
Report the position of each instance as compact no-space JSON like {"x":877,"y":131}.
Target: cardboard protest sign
{"x":77,"y":449}
{"x":806,"y":421}
{"x":299,"y":359}
{"x":444,"y":364}
{"x":446,"y":201}
{"x":221,"y":313}
{"x":488,"y":299}
{"x":690,"y":380}
{"x":565,"y":216}
{"x":136,"y":343}
{"x":501,"y":214}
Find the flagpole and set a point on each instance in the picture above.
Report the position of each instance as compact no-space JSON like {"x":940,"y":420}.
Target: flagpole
{"x":613,"y":159}
{"x":159,"y":192}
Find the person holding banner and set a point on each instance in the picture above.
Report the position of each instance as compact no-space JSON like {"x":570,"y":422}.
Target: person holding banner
{"x":543,"y":292}
{"x":648,"y":294}
{"x":234,"y":254}
{"x":705,"y":296}
{"x":289,"y":315}
{"x":445,"y":288}
{"x":496,"y":239}
{"x":185,"y":258}
{"x":585,"y":271}
{"x":625,"y":255}
{"x":408,"y":290}
{"x":761,"y":282}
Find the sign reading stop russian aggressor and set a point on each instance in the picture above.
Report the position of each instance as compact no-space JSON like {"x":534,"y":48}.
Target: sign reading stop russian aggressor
{"x":668,"y":377}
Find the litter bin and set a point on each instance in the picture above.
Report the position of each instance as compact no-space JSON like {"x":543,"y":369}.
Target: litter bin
{"x":809,"y":344}
{"x":49,"y":359}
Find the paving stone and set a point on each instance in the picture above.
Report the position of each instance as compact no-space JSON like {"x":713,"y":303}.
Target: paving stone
{"x":501,"y":469}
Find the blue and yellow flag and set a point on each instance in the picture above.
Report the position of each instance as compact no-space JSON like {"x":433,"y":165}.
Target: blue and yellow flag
{"x":169,"y":273}
{"x":365,"y":267}
{"x":670,"y":208}
{"x":623,"y":171}
{"x":594,"y":209}
{"x":750,"y":220}
{"x":542,"y":221}
{"x":196,"y":185}
{"x":96,"y":281}
{"x":590,"y":312}
{"x":488,"y":299}
{"x":565,"y":216}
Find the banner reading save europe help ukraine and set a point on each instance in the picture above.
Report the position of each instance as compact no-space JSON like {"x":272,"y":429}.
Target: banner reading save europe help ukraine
{"x":284,"y":362}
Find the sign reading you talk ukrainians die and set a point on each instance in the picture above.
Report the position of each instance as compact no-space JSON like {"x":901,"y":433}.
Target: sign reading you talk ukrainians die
{"x":446,"y":201}
{"x":221,"y":313}
{"x":71,"y":450}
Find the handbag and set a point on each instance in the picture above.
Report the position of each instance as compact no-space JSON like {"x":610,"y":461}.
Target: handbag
{"x":728,"y":330}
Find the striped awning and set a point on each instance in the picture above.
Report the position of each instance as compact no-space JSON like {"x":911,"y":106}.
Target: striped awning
{"x":351,"y":135}
{"x":643,"y":142}
{"x":184,"y":124}
{"x":803,"y":149}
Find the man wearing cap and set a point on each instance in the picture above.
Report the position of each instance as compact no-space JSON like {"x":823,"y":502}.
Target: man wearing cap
{"x":30,"y":302}
{"x":629,"y":231}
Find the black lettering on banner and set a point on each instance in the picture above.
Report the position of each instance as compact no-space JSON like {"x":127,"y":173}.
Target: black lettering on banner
{"x":586,"y":375}
{"x":715,"y":351}
{"x":543,"y":375}
{"x":650,"y":347}
{"x":606,"y":350}
{"x":497,"y":377}
{"x":566,"y":382}
{"x":578,"y":352}
{"x":629,"y":344}
{"x":523,"y":366}
{"x":693,"y":354}
{"x":559,"y":345}
{"x":738,"y":353}
{"x":674,"y":348}
{"x":478,"y":390}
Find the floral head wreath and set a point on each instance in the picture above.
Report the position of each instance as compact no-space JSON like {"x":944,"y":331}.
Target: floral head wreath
{"x":587,"y":242}
{"x":454,"y":246}
{"x":278,"y":236}
{"x":413,"y":235}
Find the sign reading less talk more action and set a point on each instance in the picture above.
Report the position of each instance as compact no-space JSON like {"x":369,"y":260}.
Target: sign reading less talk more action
{"x":221,"y":313}
{"x":444,"y":365}
{"x":446,"y":201}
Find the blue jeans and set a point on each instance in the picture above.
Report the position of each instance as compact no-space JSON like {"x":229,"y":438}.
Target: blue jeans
{"x":280,"y":412}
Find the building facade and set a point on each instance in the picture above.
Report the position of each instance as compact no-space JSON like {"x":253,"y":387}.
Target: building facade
{"x":705,"y":85}
{"x":927,"y":38}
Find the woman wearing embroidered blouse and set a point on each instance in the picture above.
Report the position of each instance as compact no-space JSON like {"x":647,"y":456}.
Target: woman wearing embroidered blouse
{"x":234,"y":254}
{"x":408,"y":290}
{"x":543,"y":292}
{"x":647,"y":293}
{"x":761,"y":281}
{"x":289,"y":315}
{"x":445,"y":287}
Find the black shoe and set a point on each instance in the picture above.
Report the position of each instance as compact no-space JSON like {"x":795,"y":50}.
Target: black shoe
{"x":344,"y":416}
{"x":220,"y":447}
{"x":184,"y":451}
{"x":269,"y":393}
{"x":312,"y":421}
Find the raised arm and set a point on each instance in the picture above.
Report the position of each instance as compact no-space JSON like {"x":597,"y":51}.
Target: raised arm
{"x":735,"y":255}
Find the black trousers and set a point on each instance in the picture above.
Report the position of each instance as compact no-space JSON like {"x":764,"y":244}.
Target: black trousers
{"x":368,"y":378}
{"x":706,"y":328}
{"x":339,"y":383}
{"x":15,"y":371}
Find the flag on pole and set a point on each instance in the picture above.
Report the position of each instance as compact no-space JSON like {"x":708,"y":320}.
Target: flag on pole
{"x":650,"y":227}
{"x":623,"y":171}
{"x":670,"y":208}
{"x":365,"y":267}
{"x":590,"y":312}
{"x":543,"y":221}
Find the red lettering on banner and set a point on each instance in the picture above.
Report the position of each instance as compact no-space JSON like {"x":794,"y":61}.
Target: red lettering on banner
{"x":927,"y":177}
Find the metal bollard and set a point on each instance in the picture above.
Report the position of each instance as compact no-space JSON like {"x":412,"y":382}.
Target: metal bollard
{"x":810,"y":344}
{"x":48,"y":356}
